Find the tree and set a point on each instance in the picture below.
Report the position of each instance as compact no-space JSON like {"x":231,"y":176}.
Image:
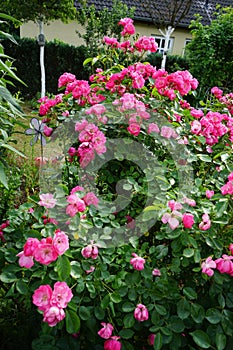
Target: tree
{"x":40,"y":12}
{"x":100,"y":23}
{"x":211,"y":50}
{"x":167,"y":17}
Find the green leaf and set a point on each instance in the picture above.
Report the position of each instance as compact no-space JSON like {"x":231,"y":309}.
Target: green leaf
{"x":161,"y":251}
{"x":158,"y":342}
{"x":99,"y":313}
{"x":115,"y":297}
{"x":8,"y":277}
{"x":188,"y":252}
{"x":72,"y":321}
{"x":201,"y":339}
{"x":129,"y":321}
{"x":105,"y":301}
{"x":21,"y":287}
{"x":126,"y":333}
{"x":176,"y":324}
{"x":197,"y":313}
{"x":183,"y":309}
{"x":63,"y":267}
{"x":160,"y":309}
{"x":204,"y":158}
{"x":220,"y":340}
{"x":76,"y":270}
{"x":190,"y":293}
{"x":213,"y":316}
{"x":128,"y":307}
{"x":3,"y":178}
{"x":84,"y":313}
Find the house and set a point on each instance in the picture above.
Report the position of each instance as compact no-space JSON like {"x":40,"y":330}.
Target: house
{"x":142,"y":20}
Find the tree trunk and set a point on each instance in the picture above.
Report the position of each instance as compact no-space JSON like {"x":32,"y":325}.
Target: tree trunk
{"x":41,"y":43}
{"x":167,"y":36}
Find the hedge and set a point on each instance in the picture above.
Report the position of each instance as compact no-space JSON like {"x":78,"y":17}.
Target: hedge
{"x":59,"y":58}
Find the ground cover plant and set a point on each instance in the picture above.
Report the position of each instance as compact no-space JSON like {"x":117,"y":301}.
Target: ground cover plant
{"x":128,"y":245}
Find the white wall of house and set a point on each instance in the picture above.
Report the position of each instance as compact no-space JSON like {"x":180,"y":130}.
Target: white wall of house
{"x":67,"y":33}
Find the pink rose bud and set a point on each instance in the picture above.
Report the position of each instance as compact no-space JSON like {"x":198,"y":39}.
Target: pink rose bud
{"x":112,"y":344}
{"x":106,"y":331}
{"x":90,"y":251}
{"x":151,"y":339}
{"x":209,"y":193}
{"x":141,"y":313}
{"x":188,"y":220}
{"x":137,"y":262}
{"x":48,"y":131}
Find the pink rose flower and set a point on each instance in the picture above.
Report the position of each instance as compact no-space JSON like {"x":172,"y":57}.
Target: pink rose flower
{"x":188,"y":220}
{"x":61,"y":295}
{"x":42,"y":296}
{"x":207,"y":266}
{"x":25,"y":261}
{"x":141,"y":313}
{"x":156,"y":272}
{"x":47,"y":200}
{"x":112,"y":344}
{"x":53,"y":315}
{"x":137,"y":262}
{"x":45,"y":252}
{"x":60,"y":242}
{"x":224,"y":264}
{"x":30,"y":246}
{"x":106,"y":331}
{"x":90,"y":198}
{"x":134,"y":129}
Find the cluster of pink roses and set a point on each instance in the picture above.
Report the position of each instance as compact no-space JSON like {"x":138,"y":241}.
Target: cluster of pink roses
{"x":2,"y":227}
{"x":228,"y":187}
{"x":212,"y":127}
{"x":91,"y":140}
{"x":52,"y":302}
{"x":79,"y":202}
{"x":174,"y":217}
{"x":181,"y":81}
{"x":227,"y":99}
{"x":44,"y":251}
{"x":223,"y":264}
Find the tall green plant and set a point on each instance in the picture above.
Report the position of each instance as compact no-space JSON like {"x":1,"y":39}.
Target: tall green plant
{"x":211,"y":50}
{"x":9,"y":107}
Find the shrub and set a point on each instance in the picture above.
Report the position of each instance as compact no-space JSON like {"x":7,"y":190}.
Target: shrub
{"x":128,"y":245}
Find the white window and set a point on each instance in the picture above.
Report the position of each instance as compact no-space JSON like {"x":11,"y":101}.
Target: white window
{"x":160,"y":40}
{"x":187,"y":41}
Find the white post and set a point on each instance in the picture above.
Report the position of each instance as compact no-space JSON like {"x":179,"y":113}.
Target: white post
{"x":167,"y":36}
{"x":41,"y":42}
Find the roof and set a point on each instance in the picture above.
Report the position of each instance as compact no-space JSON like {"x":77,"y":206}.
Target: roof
{"x":205,"y":8}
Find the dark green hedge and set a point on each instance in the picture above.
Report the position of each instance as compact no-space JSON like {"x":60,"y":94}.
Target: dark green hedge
{"x":173,"y":63}
{"x":59,"y":58}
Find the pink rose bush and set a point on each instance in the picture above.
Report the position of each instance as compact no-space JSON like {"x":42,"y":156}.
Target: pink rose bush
{"x":139,"y":225}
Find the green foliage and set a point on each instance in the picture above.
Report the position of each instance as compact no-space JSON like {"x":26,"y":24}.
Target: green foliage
{"x":60,"y":58}
{"x":211,"y":50}
{"x":100,"y":23}
{"x":9,"y":106}
{"x":46,"y":10}
{"x":173,"y":62}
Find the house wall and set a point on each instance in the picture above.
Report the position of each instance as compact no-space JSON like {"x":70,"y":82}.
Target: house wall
{"x":67,"y":33}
